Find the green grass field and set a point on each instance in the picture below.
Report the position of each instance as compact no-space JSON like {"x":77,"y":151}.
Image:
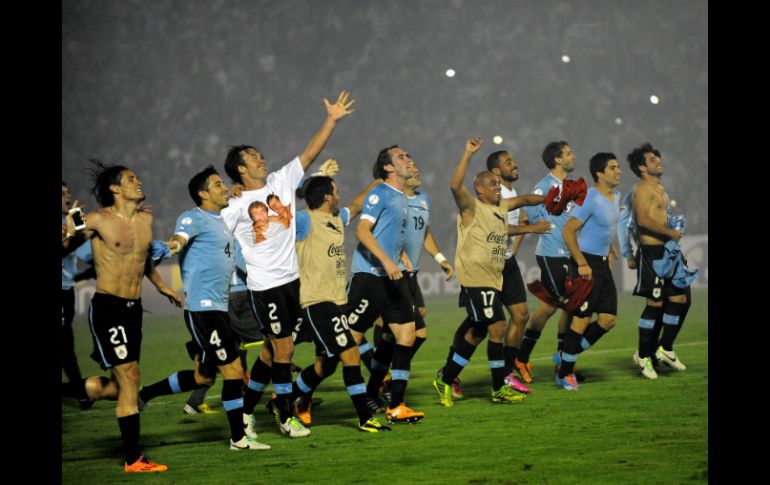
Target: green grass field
{"x":619,"y":428}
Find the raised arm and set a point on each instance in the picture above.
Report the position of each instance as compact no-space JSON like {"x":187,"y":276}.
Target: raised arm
{"x":570,"y":240}
{"x":364,"y":234}
{"x":358,"y":203}
{"x":540,"y":227}
{"x":463,"y":198}
{"x":642,"y":204}
{"x":73,"y":238}
{"x":522,"y":200}
{"x":335,"y":112}
{"x":431,"y":246}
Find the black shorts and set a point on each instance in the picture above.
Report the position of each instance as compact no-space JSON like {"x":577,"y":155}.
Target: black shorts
{"x":242,"y":319}
{"x":417,"y":298}
{"x":329,"y":324}
{"x":483,"y":304}
{"x":414,"y":291}
{"x":116,"y":327}
{"x":649,"y":284}
{"x":604,"y":296}
{"x":211,"y":331}
{"x":514,"y":291}
{"x":553,"y":273}
{"x":371,"y":296}
{"x":277,"y":310}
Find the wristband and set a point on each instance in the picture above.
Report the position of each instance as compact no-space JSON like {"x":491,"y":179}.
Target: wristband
{"x":439,"y":258}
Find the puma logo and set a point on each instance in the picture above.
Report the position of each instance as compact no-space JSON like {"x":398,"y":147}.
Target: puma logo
{"x":333,"y":227}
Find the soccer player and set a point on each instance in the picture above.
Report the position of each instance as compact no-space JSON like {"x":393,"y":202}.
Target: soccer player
{"x":418,"y":235}
{"x":592,"y":258}
{"x":323,"y":277}
{"x":482,"y":236}
{"x":121,"y":236}
{"x":206,"y":260}
{"x":551,"y":254}
{"x":514,"y":293}
{"x":242,"y":322}
{"x":271,"y":260}
{"x":378,"y":287}
{"x":666,"y":302}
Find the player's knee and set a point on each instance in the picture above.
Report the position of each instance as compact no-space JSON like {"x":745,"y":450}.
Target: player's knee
{"x":329,"y":365}
{"x":350,"y":357}
{"x":422,"y":333}
{"x":422,"y":311}
{"x":678,"y":299}
{"x":497,"y":331}
{"x":203,"y":380}
{"x":520,"y":317}
{"x":476,"y":334}
{"x":653,"y":303}
{"x":607,"y":323}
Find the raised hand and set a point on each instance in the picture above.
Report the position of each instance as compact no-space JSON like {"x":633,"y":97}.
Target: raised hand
{"x":327,"y":169}
{"x":474,"y":144}
{"x":340,"y":109}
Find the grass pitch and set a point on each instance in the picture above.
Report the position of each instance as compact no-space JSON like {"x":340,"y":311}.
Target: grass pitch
{"x":619,"y":428}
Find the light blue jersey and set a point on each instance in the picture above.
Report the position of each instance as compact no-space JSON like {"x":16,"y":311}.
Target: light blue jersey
{"x":69,"y":266}
{"x":551,"y":245}
{"x":238,"y":282}
{"x":303,"y":222}
{"x":599,"y":216}
{"x":627,"y":231}
{"x":387,"y":209}
{"x":416,"y":225}
{"x":207,"y":261}
{"x":69,"y":263}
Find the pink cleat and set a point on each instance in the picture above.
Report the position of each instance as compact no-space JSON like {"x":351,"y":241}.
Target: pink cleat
{"x":516,"y":385}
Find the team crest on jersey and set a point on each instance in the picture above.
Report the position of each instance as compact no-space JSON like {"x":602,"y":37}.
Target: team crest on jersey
{"x":488,"y":312}
{"x":584,"y":306}
{"x":121,"y":351}
{"x":276,"y":327}
{"x":222,"y":354}
{"x":424,"y":204}
{"x":373,"y":199}
{"x":342,"y":340}
{"x":187,"y":220}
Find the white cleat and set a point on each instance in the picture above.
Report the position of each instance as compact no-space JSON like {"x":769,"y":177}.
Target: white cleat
{"x":645,"y":366}
{"x":293,"y":428}
{"x":247,"y":443}
{"x":670,"y":359}
{"x":249,"y":426}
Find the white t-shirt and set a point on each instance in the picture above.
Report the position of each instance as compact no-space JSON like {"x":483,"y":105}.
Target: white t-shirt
{"x":268,"y":248}
{"x":513,"y":216}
